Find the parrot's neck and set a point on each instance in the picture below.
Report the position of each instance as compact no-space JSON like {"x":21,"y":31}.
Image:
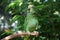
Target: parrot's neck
{"x":30,"y":15}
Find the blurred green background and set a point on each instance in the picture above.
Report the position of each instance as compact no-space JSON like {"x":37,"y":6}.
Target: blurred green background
{"x":30,"y":15}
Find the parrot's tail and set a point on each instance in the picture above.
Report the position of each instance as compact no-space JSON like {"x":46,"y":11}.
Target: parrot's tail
{"x":26,"y":37}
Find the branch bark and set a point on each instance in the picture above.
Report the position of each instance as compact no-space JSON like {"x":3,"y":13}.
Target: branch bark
{"x":20,"y":33}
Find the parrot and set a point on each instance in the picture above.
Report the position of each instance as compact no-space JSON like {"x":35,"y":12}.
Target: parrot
{"x":31,"y":22}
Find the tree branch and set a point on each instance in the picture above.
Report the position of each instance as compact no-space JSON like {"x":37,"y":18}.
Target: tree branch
{"x":20,"y":33}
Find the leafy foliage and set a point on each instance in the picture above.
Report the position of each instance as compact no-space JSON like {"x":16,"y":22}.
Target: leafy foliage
{"x":46,"y":12}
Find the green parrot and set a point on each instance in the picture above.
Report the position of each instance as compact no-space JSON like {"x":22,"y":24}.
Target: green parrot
{"x":31,"y":22}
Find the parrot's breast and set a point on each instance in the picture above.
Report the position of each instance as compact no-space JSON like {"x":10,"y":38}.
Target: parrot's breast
{"x":32,"y":23}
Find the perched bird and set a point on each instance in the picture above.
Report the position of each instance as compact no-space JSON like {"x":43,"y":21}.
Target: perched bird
{"x":31,"y":21}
